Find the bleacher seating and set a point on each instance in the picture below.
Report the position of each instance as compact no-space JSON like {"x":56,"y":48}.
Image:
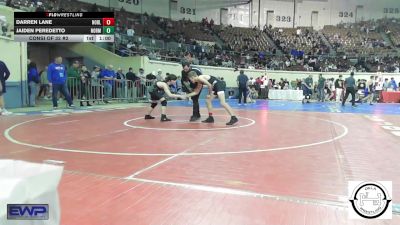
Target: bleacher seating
{"x":301,"y":39}
{"x":365,"y":43}
{"x":243,"y":39}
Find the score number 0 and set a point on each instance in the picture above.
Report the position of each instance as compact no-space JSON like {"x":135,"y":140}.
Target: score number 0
{"x":108,"y":21}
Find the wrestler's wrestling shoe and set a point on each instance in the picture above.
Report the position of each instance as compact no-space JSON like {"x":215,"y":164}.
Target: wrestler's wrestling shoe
{"x":233,"y":120}
{"x":148,"y":117}
{"x":194,"y":118}
{"x":210,"y":119}
{"x":164,"y":118}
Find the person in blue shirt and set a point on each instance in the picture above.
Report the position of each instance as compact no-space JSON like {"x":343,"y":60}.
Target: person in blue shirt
{"x":107,"y":76}
{"x":393,"y":84}
{"x":33,"y":80}
{"x":57,"y":76}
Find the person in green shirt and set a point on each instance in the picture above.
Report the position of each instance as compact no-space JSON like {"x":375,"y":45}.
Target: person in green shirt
{"x":321,"y":88}
{"x":73,"y":78}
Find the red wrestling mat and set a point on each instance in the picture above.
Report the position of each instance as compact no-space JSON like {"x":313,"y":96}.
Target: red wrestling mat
{"x":271,"y":168}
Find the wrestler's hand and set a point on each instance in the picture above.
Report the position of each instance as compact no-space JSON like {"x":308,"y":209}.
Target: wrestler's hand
{"x":183,"y":97}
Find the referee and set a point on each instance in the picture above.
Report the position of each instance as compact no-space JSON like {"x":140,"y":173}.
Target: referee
{"x":242,"y":81}
{"x":189,"y":87}
{"x":350,"y":85}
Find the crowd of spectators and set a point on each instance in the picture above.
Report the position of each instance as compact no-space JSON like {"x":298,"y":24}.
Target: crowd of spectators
{"x":303,"y":40}
{"x":359,"y":46}
{"x":243,"y":39}
{"x":358,"y":38}
{"x":392,"y":29}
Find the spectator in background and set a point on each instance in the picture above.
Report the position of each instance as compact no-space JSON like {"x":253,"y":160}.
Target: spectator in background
{"x":263,"y":88}
{"x":242,"y":82}
{"x":130,"y":32}
{"x":141,"y":83}
{"x":393,"y":84}
{"x":44,"y":83}
{"x":298,"y":84}
{"x":132,"y":82}
{"x":268,"y":85}
{"x":339,"y":88}
{"x":4,"y":75}
{"x":57,"y":76}
{"x":370,"y":90}
{"x":107,"y":76}
{"x":329,"y":89}
{"x":251,"y":82}
{"x":73,"y":79}
{"x":120,"y":83}
{"x":151,"y":77}
{"x":130,"y":75}
{"x":307,"y":88}
{"x":159,"y":75}
{"x":321,"y":88}
{"x":9,"y":3}
{"x":131,"y":46}
{"x":120,"y":75}
{"x":141,"y":74}
{"x":85,"y":85}
{"x":33,"y":81}
{"x":94,"y":8}
{"x":386,"y":84}
{"x":257,"y":84}
{"x":378,"y":87}
{"x":95,"y":83}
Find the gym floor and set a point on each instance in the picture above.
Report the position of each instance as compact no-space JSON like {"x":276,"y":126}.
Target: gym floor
{"x":283,"y":163}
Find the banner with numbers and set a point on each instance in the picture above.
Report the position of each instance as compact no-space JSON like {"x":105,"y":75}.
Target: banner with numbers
{"x":187,"y":9}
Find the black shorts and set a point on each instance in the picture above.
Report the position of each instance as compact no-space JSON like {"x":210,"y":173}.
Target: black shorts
{"x":218,"y":86}
{"x":156,"y":95}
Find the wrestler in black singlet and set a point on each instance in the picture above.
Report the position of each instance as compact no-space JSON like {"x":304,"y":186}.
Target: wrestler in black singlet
{"x":156,"y":93}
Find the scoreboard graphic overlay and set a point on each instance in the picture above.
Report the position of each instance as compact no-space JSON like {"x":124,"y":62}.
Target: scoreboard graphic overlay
{"x":64,"y":26}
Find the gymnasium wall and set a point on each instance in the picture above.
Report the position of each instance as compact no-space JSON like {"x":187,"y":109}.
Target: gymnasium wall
{"x":13,"y":54}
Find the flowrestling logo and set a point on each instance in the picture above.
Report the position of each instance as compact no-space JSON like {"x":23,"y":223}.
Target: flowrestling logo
{"x":370,"y":200}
